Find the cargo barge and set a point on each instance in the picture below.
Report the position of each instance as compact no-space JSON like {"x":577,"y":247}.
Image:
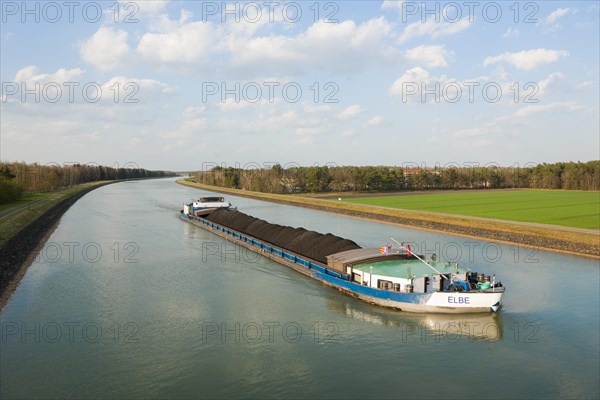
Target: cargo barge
{"x":397,"y":279}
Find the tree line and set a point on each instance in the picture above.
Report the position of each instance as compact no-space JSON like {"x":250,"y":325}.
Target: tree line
{"x":17,"y":178}
{"x":316,"y":179}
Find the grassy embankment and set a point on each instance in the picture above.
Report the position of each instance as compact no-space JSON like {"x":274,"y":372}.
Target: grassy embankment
{"x":550,"y":238}
{"x":15,"y":216}
{"x":576,"y":209}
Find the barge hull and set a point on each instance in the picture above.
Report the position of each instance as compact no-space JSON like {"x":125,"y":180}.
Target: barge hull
{"x":436,"y":302}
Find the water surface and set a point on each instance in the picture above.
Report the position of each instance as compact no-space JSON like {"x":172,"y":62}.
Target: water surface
{"x":127,"y":301}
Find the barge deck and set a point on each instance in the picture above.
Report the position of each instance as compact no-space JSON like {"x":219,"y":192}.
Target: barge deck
{"x":350,"y":278}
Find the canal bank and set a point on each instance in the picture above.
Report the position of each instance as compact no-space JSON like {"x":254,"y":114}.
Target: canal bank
{"x":552,"y":239}
{"x":19,"y":251}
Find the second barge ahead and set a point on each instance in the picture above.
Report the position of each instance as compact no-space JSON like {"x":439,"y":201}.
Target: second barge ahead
{"x":396,"y":279}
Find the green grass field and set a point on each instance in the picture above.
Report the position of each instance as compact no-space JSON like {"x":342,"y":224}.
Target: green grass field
{"x":556,"y":207}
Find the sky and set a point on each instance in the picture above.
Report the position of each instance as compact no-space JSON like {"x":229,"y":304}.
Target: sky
{"x":186,"y":85}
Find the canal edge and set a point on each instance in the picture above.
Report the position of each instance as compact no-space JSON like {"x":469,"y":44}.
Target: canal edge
{"x":19,"y":252}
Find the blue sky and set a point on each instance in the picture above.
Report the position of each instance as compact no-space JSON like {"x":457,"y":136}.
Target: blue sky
{"x":181,"y":85}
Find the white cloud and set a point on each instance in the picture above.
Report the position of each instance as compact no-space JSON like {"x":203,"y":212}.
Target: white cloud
{"x":550,"y":82}
{"x":295,"y":123}
{"x":431,"y":56}
{"x":344,"y":46}
{"x":60,"y":127}
{"x":193,"y":125}
{"x":340,"y":46}
{"x":556,"y":14}
{"x":134,"y":90}
{"x":143,"y":84}
{"x":192,"y":112}
{"x":190,"y":123}
{"x":84,"y":97}
{"x":230,"y":104}
{"x":310,"y":131}
{"x":511,"y":33}
{"x":392,"y":5}
{"x":351,"y":111}
{"x":551,"y":22}
{"x":370,"y":31}
{"x":150,"y":7}
{"x":376,"y":120}
{"x":348,"y":133}
{"x":48,"y":86}
{"x":584,"y":84}
{"x":48,"y":132}
{"x":106,"y":48}
{"x":417,"y":85}
{"x":413,"y":75}
{"x":433,"y":29}
{"x":498,"y":125}
{"x":189,"y":43}
{"x":527,"y":59}
{"x":163,"y":23}
{"x":31,"y":74}
{"x":281,"y":121}
{"x":528,"y":111}
{"x":320,"y":108}
{"x":307,"y":134}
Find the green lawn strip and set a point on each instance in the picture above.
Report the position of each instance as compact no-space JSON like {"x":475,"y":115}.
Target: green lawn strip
{"x":13,"y":223}
{"x":27,"y":198}
{"x":559,"y":207}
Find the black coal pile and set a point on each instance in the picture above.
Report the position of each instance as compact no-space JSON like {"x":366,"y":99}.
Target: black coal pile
{"x":306,"y":243}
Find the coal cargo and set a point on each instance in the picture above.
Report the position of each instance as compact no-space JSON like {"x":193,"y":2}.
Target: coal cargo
{"x":314,"y":245}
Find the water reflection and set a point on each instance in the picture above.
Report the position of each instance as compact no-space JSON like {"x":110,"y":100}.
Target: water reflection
{"x":434,"y":327}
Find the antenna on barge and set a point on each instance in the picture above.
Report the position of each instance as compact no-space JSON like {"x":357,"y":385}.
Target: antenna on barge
{"x":419,"y":258}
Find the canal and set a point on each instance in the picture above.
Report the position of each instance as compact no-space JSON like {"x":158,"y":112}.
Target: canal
{"x":127,"y":301}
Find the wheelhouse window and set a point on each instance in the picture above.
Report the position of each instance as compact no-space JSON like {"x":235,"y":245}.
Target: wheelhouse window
{"x":385,"y":285}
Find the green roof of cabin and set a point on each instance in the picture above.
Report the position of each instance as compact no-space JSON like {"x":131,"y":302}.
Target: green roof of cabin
{"x":404,"y":268}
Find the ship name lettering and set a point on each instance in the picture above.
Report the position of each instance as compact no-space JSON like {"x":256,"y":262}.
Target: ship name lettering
{"x":458,"y":300}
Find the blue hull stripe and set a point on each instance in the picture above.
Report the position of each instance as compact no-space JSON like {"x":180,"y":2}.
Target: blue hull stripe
{"x":414,"y":298}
